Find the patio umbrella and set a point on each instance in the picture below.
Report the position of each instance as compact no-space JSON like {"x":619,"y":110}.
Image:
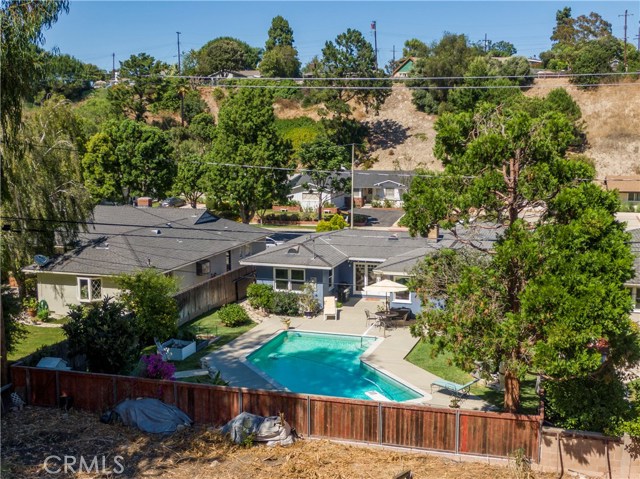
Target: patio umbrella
{"x":385,"y":287}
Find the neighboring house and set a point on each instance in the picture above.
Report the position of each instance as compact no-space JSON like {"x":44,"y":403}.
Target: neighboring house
{"x":634,"y":283}
{"x":230,"y":74}
{"x":305,"y":192}
{"x":404,"y":68}
{"x":628,"y":187}
{"x":345,"y":261}
{"x":379,"y":185}
{"x":199,"y":249}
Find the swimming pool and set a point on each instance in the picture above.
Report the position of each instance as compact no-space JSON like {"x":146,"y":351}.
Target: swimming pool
{"x":327,"y":364}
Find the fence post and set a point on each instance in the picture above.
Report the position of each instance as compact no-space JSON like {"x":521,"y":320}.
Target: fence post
{"x":28,"y":381}
{"x":240,"y":405}
{"x":57,"y":388}
{"x":308,"y":416}
{"x":175,"y":395}
{"x":457,"y":431}
{"x":380,"y":423}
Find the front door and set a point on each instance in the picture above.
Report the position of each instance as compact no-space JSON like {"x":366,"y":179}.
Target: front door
{"x":363,"y":275}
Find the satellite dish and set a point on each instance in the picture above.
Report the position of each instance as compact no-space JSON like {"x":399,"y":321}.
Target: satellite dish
{"x":41,"y":260}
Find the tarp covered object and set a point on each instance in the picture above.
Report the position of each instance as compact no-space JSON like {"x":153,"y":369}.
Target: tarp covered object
{"x":151,"y":415}
{"x":272,"y":430}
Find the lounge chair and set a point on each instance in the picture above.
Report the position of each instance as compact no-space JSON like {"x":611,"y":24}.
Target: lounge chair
{"x":330,"y":308}
{"x":460,"y":390}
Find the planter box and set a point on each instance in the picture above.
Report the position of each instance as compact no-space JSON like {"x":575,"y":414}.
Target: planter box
{"x":177,"y":349}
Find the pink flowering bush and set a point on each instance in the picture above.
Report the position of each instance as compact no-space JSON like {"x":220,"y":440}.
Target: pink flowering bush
{"x":156,"y":368}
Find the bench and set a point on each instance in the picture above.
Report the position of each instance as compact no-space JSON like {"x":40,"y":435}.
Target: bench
{"x":460,"y":390}
{"x":330,"y":308}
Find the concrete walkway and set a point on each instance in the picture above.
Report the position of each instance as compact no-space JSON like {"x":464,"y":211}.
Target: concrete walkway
{"x":387,"y":357}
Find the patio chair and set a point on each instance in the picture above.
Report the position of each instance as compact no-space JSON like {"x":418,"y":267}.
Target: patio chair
{"x":330,"y":308}
{"x":460,"y":390}
{"x":370,"y":318}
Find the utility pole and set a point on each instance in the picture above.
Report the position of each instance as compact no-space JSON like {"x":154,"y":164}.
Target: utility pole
{"x":113,"y":67}
{"x":486,"y":43}
{"x":626,"y":14}
{"x":638,"y":36}
{"x":353,"y":156}
{"x":375,"y":40}
{"x":181,"y":92}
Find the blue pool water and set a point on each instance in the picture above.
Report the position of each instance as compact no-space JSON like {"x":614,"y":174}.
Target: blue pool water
{"x":327,"y":364}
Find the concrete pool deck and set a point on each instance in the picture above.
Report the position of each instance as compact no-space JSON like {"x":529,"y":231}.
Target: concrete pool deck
{"x":387,"y":357}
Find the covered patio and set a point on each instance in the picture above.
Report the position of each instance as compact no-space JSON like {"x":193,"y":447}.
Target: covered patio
{"x":388,"y":357}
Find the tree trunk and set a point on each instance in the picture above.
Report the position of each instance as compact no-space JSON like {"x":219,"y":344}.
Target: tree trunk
{"x":4,"y":379}
{"x":320,"y":206}
{"x":511,"y":391}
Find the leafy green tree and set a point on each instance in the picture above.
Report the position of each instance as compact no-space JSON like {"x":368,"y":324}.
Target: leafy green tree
{"x":68,"y":76}
{"x":337,"y":222}
{"x":351,"y":55}
{"x":128,"y":158}
{"x":501,"y":49}
{"x":415,"y":48}
{"x":22,"y":32}
{"x":190,"y":180}
{"x":448,"y":59}
{"x":43,"y":196}
{"x":280,"y":62}
{"x":596,"y":56}
{"x":147,"y":85}
{"x":105,"y":333}
{"x":280,"y":34}
{"x":499,"y":162}
{"x":246,"y":136}
{"x":226,"y":53}
{"x":14,"y":330}
{"x":323,"y":161}
{"x":148,"y":294}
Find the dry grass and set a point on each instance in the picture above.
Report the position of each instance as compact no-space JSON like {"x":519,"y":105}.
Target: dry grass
{"x":29,"y":436}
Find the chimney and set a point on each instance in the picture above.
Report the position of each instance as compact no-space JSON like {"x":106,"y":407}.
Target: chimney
{"x":433,"y":233}
{"x":144,"y":202}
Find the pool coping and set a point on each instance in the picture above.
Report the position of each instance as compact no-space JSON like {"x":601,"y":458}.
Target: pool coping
{"x":363,"y":358}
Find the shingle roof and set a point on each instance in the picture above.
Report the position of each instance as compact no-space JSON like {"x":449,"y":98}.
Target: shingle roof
{"x":363,"y":178}
{"x":121,"y":239}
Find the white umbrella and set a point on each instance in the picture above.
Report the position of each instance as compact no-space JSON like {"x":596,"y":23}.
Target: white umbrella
{"x":385,"y":287}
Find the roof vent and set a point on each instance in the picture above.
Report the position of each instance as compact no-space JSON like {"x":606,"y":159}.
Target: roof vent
{"x":393,"y":237}
{"x":41,"y":260}
{"x":156,"y":232}
{"x":169,"y":225}
{"x":102,"y":246}
{"x":294,"y":250}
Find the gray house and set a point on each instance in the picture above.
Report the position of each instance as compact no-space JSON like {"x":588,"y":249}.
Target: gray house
{"x":199,"y":249}
{"x":344,"y":262}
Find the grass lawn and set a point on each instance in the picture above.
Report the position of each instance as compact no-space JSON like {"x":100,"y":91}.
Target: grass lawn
{"x":36,"y":337}
{"x":443,"y":367}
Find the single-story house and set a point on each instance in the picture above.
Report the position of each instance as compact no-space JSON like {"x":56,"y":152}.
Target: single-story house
{"x":341,"y":263}
{"x":194,"y":246}
{"x":628,"y":187}
{"x":380,"y":185}
{"x":231,"y":74}
{"x":305,"y":192}
{"x":404,"y":67}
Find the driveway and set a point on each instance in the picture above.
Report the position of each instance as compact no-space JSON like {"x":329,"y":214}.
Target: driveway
{"x":386,"y":218}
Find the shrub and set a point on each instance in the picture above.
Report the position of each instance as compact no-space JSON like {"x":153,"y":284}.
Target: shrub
{"x":286,"y":303}
{"x":260,"y":296}
{"x":387,"y":204}
{"x":156,"y":368}
{"x":233,"y":315}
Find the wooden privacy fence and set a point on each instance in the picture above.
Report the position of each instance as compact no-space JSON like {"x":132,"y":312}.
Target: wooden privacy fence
{"x":386,"y":423}
{"x":214,"y":292}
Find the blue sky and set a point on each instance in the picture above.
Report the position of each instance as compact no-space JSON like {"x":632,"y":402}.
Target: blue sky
{"x":93,"y":30}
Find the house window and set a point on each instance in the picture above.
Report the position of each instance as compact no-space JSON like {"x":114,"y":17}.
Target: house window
{"x":633,"y":196}
{"x":390,"y":193}
{"x":89,"y":289}
{"x":288,"y":279}
{"x":404,"y":296}
{"x":331,"y":279}
{"x":228,"y":260}
{"x":203,"y":268}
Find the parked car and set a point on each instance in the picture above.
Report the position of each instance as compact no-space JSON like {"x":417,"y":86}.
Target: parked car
{"x":173,"y":202}
{"x":272,"y":242}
